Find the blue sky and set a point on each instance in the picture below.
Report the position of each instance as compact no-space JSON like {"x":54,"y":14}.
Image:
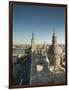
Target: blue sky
{"x":42,"y":21}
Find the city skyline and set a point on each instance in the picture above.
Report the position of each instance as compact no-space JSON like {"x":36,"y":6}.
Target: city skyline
{"x":42,"y":21}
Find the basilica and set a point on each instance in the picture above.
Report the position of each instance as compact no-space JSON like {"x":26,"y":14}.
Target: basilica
{"x":40,"y":64}
{"x":45,"y":61}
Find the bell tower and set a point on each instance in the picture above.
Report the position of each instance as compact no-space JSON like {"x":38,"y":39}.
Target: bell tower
{"x":54,"y":39}
{"x":32,"y":39}
{"x":33,"y":44}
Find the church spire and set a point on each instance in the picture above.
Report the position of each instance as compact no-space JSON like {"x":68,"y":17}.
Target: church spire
{"x":33,"y":36}
{"x":33,"y":44}
{"x":54,"y":39}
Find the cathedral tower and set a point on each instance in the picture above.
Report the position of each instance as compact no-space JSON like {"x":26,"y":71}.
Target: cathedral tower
{"x":33,"y":43}
{"x":54,"y":53}
{"x":54,"y":39}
